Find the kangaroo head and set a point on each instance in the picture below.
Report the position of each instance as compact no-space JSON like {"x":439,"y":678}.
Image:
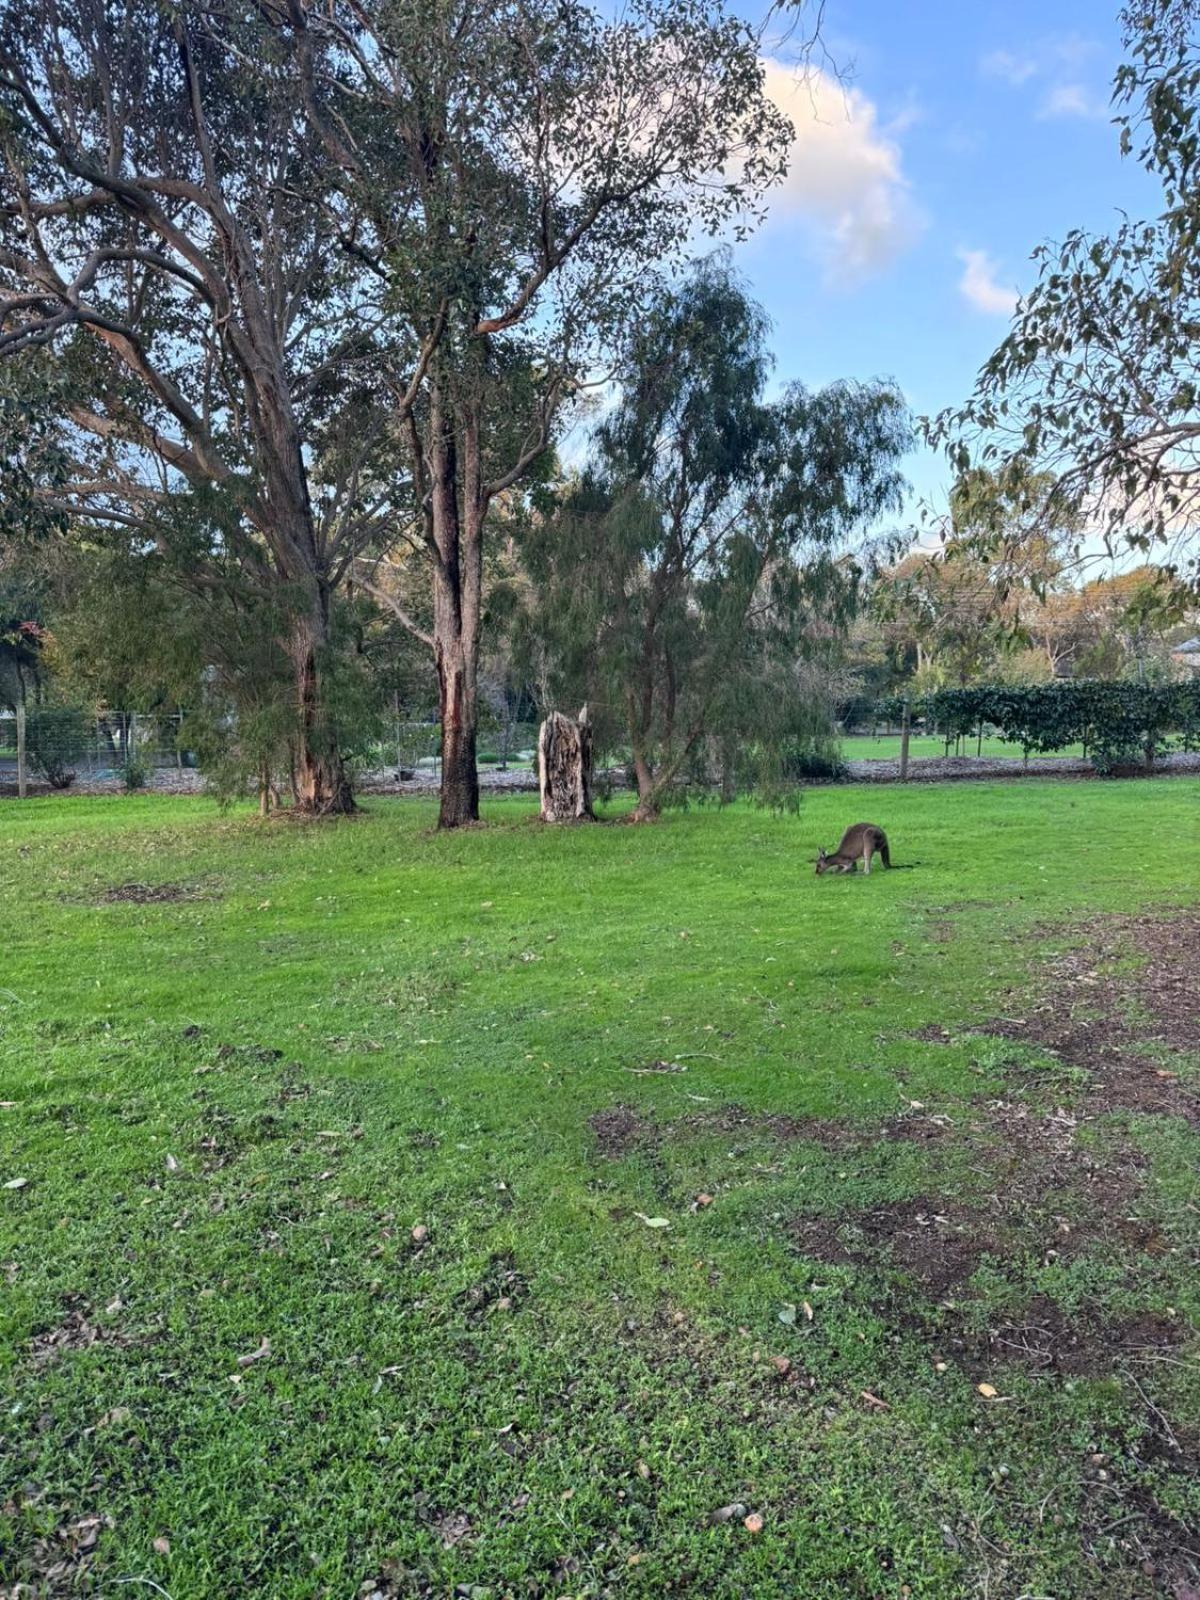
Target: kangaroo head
{"x":821,"y":861}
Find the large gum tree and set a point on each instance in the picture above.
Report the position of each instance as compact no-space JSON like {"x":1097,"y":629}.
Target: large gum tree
{"x":510,"y":175}
{"x":165,"y":267}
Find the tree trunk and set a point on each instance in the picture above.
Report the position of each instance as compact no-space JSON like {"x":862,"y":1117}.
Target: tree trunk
{"x":457,"y":587}
{"x":565,"y":768}
{"x":646,"y":809}
{"x":728,"y":758}
{"x":456,"y":657}
{"x":320,"y":784}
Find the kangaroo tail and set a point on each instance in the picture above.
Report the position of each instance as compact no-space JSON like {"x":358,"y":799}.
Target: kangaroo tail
{"x":883,"y":851}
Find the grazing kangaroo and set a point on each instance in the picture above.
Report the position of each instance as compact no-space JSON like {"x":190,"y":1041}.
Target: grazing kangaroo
{"x":860,"y":841}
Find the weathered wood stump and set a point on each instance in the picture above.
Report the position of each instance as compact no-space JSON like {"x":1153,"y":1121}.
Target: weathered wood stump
{"x":565,"y":768}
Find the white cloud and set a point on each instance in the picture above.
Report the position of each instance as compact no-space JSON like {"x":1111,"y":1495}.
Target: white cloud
{"x":979,"y":287}
{"x":1071,"y":100}
{"x":1059,"y":65}
{"x":845,"y":177}
{"x":1013,"y":69}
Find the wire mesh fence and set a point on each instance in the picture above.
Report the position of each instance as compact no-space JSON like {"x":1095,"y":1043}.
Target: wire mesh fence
{"x":59,"y":742}
{"x":415,"y":747}
{"x":135,"y":747}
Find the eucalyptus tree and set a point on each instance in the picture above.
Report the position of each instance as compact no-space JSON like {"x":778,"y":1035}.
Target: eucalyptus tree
{"x":705,"y":548}
{"x":511,"y":174}
{"x":166,"y":275}
{"x":1095,"y":383}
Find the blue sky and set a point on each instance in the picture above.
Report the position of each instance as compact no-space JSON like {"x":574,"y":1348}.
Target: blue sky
{"x":967,"y":132}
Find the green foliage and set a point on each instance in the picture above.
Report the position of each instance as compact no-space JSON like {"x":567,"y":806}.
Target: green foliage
{"x":55,"y":736}
{"x":1094,"y":385}
{"x":1119,"y":724}
{"x":686,"y":581}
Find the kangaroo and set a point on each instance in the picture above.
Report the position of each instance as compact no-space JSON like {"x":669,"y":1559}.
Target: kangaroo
{"x":862,"y":840}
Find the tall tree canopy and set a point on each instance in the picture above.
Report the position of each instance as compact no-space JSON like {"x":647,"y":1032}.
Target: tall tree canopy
{"x":329,"y":273}
{"x":686,"y":566}
{"x":1096,"y":381}
{"x":167,"y":270}
{"x":508,"y":174}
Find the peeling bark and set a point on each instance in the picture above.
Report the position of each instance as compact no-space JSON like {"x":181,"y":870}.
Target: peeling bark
{"x":565,"y":768}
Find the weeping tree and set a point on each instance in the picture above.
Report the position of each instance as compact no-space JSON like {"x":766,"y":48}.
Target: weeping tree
{"x":168,"y":275}
{"x":704,"y":548}
{"x":1094,"y":389}
{"x":505,"y":171}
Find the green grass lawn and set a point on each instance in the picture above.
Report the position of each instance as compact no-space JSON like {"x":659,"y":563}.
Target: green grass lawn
{"x":862,"y":747}
{"x":230,"y":1369}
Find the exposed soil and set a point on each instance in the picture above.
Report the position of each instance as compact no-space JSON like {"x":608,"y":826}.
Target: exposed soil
{"x":1097,"y":1016}
{"x":619,"y":1131}
{"x":74,"y":1332}
{"x":1044,"y":1339}
{"x":148,"y":894}
{"x":936,"y":1242}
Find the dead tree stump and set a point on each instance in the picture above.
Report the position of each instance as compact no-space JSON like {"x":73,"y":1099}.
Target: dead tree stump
{"x":565,"y":768}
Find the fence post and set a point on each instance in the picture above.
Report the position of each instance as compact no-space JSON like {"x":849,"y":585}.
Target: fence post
{"x":22,"y":777}
{"x":904,"y":729}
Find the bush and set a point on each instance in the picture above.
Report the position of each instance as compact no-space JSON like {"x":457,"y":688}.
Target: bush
{"x":55,"y":736}
{"x":822,"y":763}
{"x":1118,"y":724}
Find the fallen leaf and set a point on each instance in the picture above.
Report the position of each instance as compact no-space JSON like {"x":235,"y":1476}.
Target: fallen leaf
{"x":264,"y":1349}
{"x":782,"y":1365}
{"x":987,"y":1391}
{"x":753,"y":1523}
{"x":117,"y":1414}
{"x":172,"y":1164}
{"x":16,"y":1183}
{"x":704,"y":1199}
{"x":643,"y":1470}
{"x":652,"y":1222}
{"x":420,"y":1233}
{"x":162,"y":1546}
{"x":787,"y":1315}
{"x":807,"y":1310}
{"x":874,"y":1400}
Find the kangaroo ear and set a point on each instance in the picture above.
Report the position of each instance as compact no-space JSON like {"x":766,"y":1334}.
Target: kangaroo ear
{"x":820,"y":853}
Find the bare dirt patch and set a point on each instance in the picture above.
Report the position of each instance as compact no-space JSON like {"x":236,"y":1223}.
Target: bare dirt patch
{"x":1044,"y":1339}
{"x":938,"y":1243}
{"x":1096,"y":1015}
{"x":619,"y":1131}
{"x":148,"y":894}
{"x":75,"y":1332}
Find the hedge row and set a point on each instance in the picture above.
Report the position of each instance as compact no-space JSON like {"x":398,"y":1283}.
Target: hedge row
{"x":1118,"y":724}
